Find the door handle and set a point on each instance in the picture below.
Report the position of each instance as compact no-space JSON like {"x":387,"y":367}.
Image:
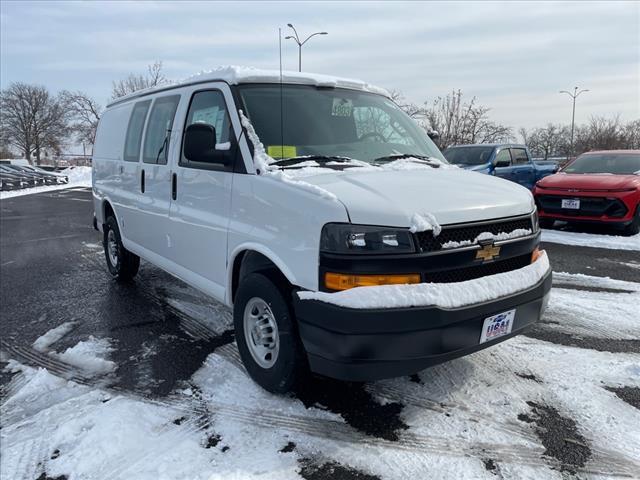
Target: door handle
{"x":142,"y":181}
{"x":174,"y":186}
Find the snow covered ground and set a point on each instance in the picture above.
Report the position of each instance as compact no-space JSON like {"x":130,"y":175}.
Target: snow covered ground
{"x":582,"y":239}
{"x":548,"y":405}
{"x":78,"y":177}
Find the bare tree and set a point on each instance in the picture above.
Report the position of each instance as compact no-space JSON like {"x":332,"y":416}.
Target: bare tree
{"x":84,"y":113}
{"x":135,"y":82}
{"x":600,"y":133}
{"x":32,"y":119}
{"x":552,"y":140}
{"x":631,"y":134}
{"x":460,"y":122}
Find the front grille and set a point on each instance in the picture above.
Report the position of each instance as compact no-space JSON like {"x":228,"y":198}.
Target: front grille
{"x":589,"y":206}
{"x":477,"y":271}
{"x":429,"y":243}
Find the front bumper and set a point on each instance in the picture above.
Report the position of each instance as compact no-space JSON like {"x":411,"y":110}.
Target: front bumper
{"x":372,"y":344}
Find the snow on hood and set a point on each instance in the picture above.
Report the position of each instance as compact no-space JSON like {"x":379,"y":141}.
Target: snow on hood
{"x":443,"y":295}
{"x":388,"y":197}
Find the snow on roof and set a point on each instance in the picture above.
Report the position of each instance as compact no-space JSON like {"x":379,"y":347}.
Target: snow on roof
{"x":234,"y":75}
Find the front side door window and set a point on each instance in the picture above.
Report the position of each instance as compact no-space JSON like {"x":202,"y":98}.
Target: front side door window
{"x":503,"y":158}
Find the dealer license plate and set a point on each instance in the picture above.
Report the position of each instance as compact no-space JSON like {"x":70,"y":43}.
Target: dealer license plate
{"x":497,"y":325}
{"x":572,"y":203}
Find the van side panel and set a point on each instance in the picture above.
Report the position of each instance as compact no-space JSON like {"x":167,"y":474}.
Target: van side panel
{"x":107,"y":156}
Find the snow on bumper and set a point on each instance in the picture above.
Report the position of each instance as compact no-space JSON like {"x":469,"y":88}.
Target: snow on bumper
{"x":371,"y":333}
{"x":443,"y":295}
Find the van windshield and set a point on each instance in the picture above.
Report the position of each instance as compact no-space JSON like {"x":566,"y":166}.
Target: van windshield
{"x":332,"y":122}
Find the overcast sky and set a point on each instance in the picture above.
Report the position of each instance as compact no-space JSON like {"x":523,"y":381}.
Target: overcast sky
{"x":514,"y":56}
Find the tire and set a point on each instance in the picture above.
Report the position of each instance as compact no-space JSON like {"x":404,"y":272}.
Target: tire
{"x":122,"y":264}
{"x":284,"y":366}
{"x":546,"y":222}
{"x":634,"y":227}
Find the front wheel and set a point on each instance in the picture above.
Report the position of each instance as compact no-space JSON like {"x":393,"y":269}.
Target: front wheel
{"x":634,"y":227}
{"x":266,"y":335}
{"x":121,"y":262}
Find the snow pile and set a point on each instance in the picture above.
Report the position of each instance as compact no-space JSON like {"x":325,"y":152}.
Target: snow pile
{"x":89,"y":356}
{"x":580,"y":239}
{"x":262,"y":162}
{"x":52,"y":336}
{"x":422,"y":222}
{"x":487,"y":236}
{"x":78,"y":177}
{"x":443,"y":295}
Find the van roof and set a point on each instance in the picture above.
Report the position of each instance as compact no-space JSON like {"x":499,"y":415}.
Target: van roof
{"x":234,"y":75}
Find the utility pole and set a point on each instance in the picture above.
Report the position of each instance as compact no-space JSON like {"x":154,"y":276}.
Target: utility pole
{"x":296,"y":39}
{"x":573,"y":95}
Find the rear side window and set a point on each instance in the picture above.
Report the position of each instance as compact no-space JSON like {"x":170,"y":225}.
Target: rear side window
{"x":134,"y":131}
{"x":156,"y":139}
{"x":209,"y":107}
{"x":519,"y":156}
{"x":503,"y":156}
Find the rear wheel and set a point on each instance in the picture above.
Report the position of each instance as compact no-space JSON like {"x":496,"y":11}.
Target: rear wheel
{"x":546,"y":222}
{"x":267,"y":336}
{"x":121,"y":262}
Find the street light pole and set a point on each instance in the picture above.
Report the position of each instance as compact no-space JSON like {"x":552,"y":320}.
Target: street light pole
{"x":573,"y":95}
{"x":296,"y":39}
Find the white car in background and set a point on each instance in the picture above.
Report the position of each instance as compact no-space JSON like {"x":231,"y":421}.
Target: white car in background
{"x":327,"y":219}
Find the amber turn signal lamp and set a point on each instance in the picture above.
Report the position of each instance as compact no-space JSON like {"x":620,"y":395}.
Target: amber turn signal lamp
{"x":343,"y":281}
{"x":536,"y":254}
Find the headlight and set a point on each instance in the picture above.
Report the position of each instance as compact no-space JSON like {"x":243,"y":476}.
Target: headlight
{"x":363,"y":239}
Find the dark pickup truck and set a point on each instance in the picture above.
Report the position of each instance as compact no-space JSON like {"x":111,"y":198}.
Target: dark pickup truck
{"x":509,"y":161}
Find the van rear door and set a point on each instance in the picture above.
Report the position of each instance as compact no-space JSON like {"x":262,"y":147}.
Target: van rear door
{"x":201,"y":196}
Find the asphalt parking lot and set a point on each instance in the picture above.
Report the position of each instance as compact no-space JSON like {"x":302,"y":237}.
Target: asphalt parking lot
{"x":167,"y":339}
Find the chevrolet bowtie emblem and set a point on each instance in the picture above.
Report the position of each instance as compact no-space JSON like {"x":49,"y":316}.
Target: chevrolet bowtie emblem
{"x":487,"y":253}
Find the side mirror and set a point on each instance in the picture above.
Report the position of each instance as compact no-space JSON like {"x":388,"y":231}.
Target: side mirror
{"x":200,"y":145}
{"x":502,"y":163}
{"x":434,"y":135}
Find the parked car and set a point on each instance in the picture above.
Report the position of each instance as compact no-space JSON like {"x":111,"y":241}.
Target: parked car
{"x":508,"y":161}
{"x":53,"y":176}
{"x":283,"y":220}
{"x":24,"y":180}
{"x":597,"y":187}
{"x":37,"y":178}
{"x":10,"y":182}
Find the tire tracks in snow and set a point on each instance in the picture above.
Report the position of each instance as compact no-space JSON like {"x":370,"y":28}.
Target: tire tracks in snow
{"x":200,"y":415}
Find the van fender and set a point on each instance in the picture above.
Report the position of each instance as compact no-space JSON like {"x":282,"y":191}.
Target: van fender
{"x":267,"y":252}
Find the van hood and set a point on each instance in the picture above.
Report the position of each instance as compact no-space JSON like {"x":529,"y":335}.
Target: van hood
{"x":452,"y":195}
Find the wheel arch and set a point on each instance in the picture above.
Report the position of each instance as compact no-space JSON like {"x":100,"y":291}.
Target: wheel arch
{"x":251,"y":258}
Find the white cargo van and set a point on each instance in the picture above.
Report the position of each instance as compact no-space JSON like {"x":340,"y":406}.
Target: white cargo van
{"x":327,"y":219}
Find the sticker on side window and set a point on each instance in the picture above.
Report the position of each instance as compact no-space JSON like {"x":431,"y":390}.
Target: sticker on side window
{"x":282,"y":151}
{"x":342,"y":107}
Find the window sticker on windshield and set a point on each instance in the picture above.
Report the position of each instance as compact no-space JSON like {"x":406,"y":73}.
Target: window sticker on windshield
{"x":282,"y":151}
{"x":342,"y":107}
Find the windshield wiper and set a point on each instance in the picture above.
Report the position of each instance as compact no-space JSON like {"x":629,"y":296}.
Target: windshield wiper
{"x":432,"y":161}
{"x":321,"y":159}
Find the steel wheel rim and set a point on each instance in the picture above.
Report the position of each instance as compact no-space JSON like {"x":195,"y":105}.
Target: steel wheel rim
{"x":112,"y":248}
{"x":261,"y":332}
